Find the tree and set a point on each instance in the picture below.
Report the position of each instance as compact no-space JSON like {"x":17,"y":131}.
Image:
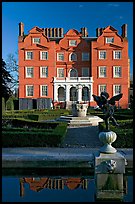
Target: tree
{"x":6,"y":80}
{"x":12,"y":68}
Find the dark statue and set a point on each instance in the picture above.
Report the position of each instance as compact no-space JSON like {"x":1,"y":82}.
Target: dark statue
{"x":107,"y":106}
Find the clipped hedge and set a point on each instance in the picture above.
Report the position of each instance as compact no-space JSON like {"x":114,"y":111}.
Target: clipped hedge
{"x":41,"y":138}
{"x":124,"y":133}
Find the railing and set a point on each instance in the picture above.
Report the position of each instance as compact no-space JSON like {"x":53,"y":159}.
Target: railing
{"x":74,"y":79}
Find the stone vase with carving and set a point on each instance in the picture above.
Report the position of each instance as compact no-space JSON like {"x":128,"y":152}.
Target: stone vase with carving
{"x":107,"y":138}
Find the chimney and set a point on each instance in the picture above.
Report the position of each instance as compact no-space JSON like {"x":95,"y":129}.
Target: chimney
{"x":97,"y":32}
{"x":101,"y":31}
{"x":84,"y":32}
{"x":21,"y":29}
{"x":124,"y":30}
{"x":61,"y":32}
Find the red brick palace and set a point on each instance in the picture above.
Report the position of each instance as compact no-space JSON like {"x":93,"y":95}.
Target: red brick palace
{"x":65,"y":68}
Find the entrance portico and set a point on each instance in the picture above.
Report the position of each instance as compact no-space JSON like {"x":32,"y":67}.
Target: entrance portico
{"x":73,"y":89}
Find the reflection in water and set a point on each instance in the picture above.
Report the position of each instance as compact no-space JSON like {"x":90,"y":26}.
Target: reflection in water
{"x":37,"y":183}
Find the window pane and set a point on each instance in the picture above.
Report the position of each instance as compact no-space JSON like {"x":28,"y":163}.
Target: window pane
{"x":102,"y":88}
{"x":85,"y":72}
{"x":44,"y":90}
{"x":72,"y":42}
{"x":36,"y":40}
{"x":60,"y":57}
{"x":102,"y":71}
{"x":85,"y":56}
{"x":117,"y":54}
{"x":117,"y":71}
{"x":44,"y":72}
{"x":102,"y":54}
{"x":117,"y":89}
{"x":29,"y":55}
{"x":29,"y":90}
{"x":61,"y":72}
{"x":73,"y":57}
{"x":110,"y":40}
{"x":44,"y":55}
{"x":29,"y":72}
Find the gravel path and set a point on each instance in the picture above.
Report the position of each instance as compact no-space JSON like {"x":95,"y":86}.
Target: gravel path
{"x":82,"y":137}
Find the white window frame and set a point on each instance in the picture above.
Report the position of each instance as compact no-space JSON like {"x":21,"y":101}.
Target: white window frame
{"x":72,"y":42}
{"x":26,"y":72}
{"x":75,"y":56}
{"x":100,"y":75}
{"x":99,"y":88}
{"x":27,"y":90}
{"x":100,"y":51}
{"x":114,"y":90}
{"x":85,"y":68}
{"x":41,"y":72}
{"x":36,"y":40}
{"x":58,"y":72}
{"x":109,"y":39}
{"x":60,"y":55}
{"x":117,"y":71}
{"x":85,"y":56}
{"x":26,"y":55}
{"x":41,"y":55}
{"x":116,"y":56}
{"x":41,"y":91}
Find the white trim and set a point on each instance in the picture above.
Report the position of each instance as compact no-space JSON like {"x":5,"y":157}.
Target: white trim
{"x":41,"y":75}
{"x":114,"y":75}
{"x":109,"y":38}
{"x":114,"y":51}
{"x":74,"y":44}
{"x":99,"y":72}
{"x":114,"y":93}
{"x":105,"y":54}
{"x":99,"y":86}
{"x":26,"y":86}
{"x":26,"y":57}
{"x":26,"y":72}
{"x":42,"y":56}
{"x":58,"y":56}
{"x":33,"y":40}
{"x":41,"y":94}
{"x":71,"y":55}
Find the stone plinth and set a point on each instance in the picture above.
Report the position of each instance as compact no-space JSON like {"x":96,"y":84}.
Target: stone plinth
{"x":79,"y":110}
{"x":109,"y":170}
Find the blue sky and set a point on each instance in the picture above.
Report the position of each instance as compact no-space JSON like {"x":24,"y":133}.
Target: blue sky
{"x":67,"y":15}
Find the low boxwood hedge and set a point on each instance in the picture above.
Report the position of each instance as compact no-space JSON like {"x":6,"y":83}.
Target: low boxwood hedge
{"x":42,"y":138}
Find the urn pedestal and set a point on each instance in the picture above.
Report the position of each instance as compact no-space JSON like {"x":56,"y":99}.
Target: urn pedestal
{"x":79,"y":110}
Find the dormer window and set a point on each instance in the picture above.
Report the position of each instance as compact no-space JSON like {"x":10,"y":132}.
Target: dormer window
{"x":72,"y":42}
{"x":110,"y":40}
{"x":36,"y":40}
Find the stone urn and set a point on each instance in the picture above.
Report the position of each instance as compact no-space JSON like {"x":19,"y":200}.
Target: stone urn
{"x":79,"y":110}
{"x":107,"y":137}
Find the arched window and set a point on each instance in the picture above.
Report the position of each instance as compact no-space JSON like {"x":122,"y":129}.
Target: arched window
{"x":72,"y":57}
{"x":85,"y":94}
{"x":73,"y":73}
{"x":61,"y":94}
{"x":73,"y":94}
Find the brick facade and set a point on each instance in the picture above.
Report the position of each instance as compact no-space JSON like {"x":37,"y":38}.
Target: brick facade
{"x":72,"y":66}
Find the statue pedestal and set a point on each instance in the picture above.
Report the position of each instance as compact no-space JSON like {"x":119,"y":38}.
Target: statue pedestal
{"x":79,"y":110}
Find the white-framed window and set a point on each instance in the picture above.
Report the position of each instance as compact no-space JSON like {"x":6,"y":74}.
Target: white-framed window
{"x":116,"y":89}
{"x":110,"y":40}
{"x":102,"y":54}
{"x":29,"y":90}
{"x":43,"y":55}
{"x":101,"y":88}
{"x":28,"y":55}
{"x":29,"y":72}
{"x":72,"y":57}
{"x":60,"y":72}
{"x":85,"y":56}
{"x":36,"y":40}
{"x":72,"y":42}
{"x":44,"y":72}
{"x":117,"y":54}
{"x":85,"y":72}
{"x":117,"y":71}
{"x":60,"y":56}
{"x":43,"y":90}
{"x":102,"y":71}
